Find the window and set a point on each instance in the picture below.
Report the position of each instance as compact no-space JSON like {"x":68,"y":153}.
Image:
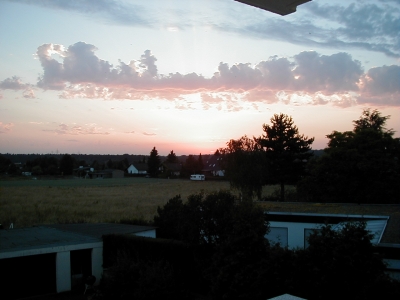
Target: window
{"x":278,"y":235}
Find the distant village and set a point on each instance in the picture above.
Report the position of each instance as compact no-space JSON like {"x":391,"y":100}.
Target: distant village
{"x":96,"y":166}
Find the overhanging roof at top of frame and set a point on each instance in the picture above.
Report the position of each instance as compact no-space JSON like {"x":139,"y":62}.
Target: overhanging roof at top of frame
{"x":280,"y":7}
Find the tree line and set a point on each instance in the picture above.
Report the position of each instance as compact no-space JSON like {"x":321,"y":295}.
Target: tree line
{"x":359,"y":166}
{"x":64,"y":164}
{"x":191,"y":165}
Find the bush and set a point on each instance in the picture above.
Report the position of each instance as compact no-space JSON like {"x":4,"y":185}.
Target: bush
{"x":129,"y":279}
{"x":275,"y":196}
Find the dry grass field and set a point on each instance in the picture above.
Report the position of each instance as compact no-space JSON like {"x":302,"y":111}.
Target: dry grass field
{"x":33,"y":202}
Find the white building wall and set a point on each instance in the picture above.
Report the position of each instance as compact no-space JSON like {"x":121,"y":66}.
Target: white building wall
{"x":295,"y":232}
{"x":148,"y":233}
{"x":132,"y":170}
{"x":97,"y":263}
{"x":63,"y":271}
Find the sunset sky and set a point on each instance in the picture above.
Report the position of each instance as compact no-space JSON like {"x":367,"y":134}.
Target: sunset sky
{"x":123,"y":76}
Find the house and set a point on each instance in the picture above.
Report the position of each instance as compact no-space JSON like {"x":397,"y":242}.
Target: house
{"x":213,"y":166}
{"x":55,"y":258}
{"x":171,"y":169}
{"x":82,"y":172}
{"x":115,"y":173}
{"x":137,"y":168}
{"x":292,"y":223}
{"x":107,"y":173}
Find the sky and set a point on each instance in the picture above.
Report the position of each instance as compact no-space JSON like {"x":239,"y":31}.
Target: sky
{"x":124,"y":76}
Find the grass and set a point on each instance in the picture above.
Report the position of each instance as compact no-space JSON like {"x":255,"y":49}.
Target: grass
{"x":28,"y":203}
{"x":33,"y":202}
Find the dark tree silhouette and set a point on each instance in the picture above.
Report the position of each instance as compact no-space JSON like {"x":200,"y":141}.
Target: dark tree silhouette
{"x":171,"y":157}
{"x":286,"y":149}
{"x":153,"y":163}
{"x":359,"y":166}
{"x":244,"y":163}
{"x":200,"y":164}
{"x":67,"y":164}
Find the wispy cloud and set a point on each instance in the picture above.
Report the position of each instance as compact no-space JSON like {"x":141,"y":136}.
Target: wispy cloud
{"x":5,"y":127}
{"x":75,"y":129}
{"x":120,"y":12}
{"x":368,"y":25}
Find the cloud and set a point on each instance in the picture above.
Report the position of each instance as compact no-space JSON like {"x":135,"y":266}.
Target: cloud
{"x":221,"y":101}
{"x":149,"y":134}
{"x":317,"y":79}
{"x":368,"y":25}
{"x":37,"y":123}
{"x":329,"y":74}
{"x":211,"y":100}
{"x":86,"y":129}
{"x":381,"y":85}
{"x":5,"y":127}
{"x":361,"y":25}
{"x":15,"y":83}
{"x":117,"y":11}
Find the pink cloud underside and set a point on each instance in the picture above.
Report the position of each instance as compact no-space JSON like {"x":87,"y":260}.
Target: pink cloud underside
{"x":319,"y":79}
{"x":6,"y":127}
{"x":87,"y":129}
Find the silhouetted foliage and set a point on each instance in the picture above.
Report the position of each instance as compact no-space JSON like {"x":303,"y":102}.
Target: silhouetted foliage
{"x":287,"y":150}
{"x":229,"y":231}
{"x":278,"y":156}
{"x":191,"y":166}
{"x":222,"y":239}
{"x":209,"y":219}
{"x":245,"y":163}
{"x":345,"y":259}
{"x":359,"y":166}
{"x":67,"y":164}
{"x":172,"y":158}
{"x":200,"y":162}
{"x":130,"y":279}
{"x":153,"y":163}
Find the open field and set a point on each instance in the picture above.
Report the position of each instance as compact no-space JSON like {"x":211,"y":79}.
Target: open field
{"x":32,"y":202}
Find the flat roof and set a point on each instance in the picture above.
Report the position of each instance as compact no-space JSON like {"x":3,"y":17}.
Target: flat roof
{"x":54,"y":238}
{"x":26,"y":240}
{"x":97,"y":230}
{"x":391,"y":233}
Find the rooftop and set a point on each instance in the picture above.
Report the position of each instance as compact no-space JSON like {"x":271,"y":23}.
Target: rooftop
{"x":48,"y":237}
{"x":392,"y":211}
